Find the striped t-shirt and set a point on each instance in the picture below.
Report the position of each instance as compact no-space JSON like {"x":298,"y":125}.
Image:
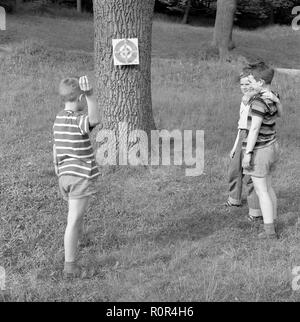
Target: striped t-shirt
{"x":266,"y":109}
{"x":74,"y":152}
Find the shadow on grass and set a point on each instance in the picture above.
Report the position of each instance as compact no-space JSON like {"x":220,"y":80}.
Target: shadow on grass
{"x":192,"y":224}
{"x":197,"y":226}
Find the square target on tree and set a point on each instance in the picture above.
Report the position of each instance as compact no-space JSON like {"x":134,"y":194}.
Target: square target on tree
{"x":125,"y":51}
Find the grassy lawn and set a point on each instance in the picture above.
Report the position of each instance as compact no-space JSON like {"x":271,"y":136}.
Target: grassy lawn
{"x":278,"y":45}
{"x":160,"y":236}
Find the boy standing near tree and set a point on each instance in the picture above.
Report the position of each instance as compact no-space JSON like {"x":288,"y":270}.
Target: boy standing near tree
{"x":74,"y":160}
{"x":236,"y":176}
{"x":260,"y":146}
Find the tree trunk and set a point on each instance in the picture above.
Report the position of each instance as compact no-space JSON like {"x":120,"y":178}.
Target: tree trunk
{"x":187,"y":11}
{"x":79,"y":7}
{"x":224,"y":26}
{"x":272,"y":15}
{"x":17,"y":5}
{"x":123,"y":92}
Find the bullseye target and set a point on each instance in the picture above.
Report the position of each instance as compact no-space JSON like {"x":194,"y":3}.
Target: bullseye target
{"x":126,"y":51}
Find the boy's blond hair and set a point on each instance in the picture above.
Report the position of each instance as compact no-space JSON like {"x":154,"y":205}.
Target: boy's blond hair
{"x":69,"y":89}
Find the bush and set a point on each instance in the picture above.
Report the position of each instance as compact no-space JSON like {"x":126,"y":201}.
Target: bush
{"x":8,"y":5}
{"x":249,"y":13}
{"x":87,"y":5}
{"x":265,"y":11}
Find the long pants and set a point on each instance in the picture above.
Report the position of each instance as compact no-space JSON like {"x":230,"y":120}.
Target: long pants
{"x":236,"y":179}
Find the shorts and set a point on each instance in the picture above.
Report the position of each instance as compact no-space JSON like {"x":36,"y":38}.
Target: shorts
{"x":263,"y":161}
{"x":75,"y":187}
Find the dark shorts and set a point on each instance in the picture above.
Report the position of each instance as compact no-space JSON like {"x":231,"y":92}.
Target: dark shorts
{"x":75,"y":187}
{"x":263,"y":161}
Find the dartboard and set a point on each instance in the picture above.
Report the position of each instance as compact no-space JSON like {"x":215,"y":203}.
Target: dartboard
{"x":125,"y":51}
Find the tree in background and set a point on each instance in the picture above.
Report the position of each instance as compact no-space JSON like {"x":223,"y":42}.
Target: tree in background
{"x":268,"y":11}
{"x":124,"y":92}
{"x":184,"y":7}
{"x":252,"y":13}
{"x":79,"y":7}
{"x":188,"y":5}
{"x":222,"y":38}
{"x":18,"y":4}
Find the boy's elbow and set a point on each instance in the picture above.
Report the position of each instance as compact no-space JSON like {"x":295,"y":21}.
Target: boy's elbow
{"x":94,"y":122}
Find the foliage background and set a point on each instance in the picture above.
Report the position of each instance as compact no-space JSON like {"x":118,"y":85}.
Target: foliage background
{"x":249,"y":14}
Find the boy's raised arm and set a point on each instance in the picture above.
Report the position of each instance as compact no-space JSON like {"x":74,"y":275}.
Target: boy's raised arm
{"x":93,"y":112}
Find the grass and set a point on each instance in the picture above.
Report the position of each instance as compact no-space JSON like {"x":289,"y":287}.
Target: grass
{"x":160,"y":236}
{"x":278,"y":45}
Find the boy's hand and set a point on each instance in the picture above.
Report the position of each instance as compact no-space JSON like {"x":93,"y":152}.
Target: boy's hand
{"x":56,"y":169}
{"x":246,"y":164}
{"x":268,"y":95}
{"x":232,"y":153}
{"x":85,"y":86}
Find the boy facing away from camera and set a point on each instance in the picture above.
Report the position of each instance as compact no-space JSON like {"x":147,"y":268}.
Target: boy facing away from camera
{"x":74,"y":161}
{"x":260,"y":145}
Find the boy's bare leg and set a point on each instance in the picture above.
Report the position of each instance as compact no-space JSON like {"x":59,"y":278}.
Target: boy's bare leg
{"x":273,"y":196}
{"x":265,"y":201}
{"x":266,"y":205}
{"x":252,"y":199}
{"x":77,"y":209}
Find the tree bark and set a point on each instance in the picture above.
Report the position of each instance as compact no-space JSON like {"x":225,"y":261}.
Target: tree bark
{"x":187,"y":11}
{"x":123,"y":92}
{"x":272,"y":15}
{"x":224,"y":26}
{"x":79,"y":7}
{"x":17,"y":5}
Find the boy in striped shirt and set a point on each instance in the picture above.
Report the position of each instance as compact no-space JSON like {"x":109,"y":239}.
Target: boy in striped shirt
{"x":74,"y":160}
{"x":260,"y":146}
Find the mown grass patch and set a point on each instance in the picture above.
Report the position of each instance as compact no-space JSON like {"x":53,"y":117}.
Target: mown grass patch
{"x":160,"y":236}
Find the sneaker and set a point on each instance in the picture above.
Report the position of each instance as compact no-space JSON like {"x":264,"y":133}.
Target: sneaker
{"x":230,"y":204}
{"x":76,"y":273}
{"x":263,"y":235}
{"x":82,"y":273}
{"x":255,"y":219}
